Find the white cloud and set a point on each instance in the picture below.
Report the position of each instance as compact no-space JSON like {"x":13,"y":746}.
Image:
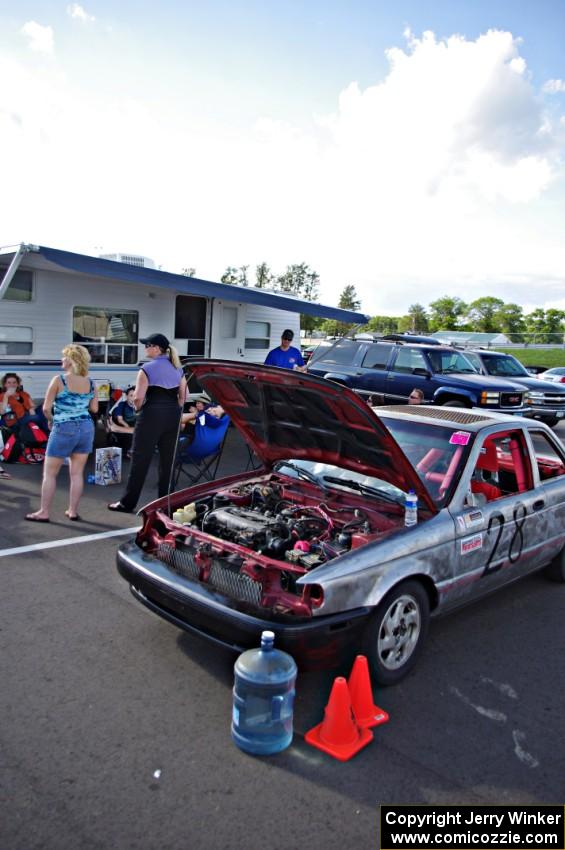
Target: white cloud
{"x":75,"y":10}
{"x":40,"y":37}
{"x":433,"y":180}
{"x":554,"y":86}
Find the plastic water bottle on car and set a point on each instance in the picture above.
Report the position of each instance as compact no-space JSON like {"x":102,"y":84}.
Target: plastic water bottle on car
{"x":263,"y":698}
{"x":411,"y":508}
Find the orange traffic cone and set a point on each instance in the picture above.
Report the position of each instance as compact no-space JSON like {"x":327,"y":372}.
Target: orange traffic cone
{"x":366,"y":713}
{"x":338,"y":734}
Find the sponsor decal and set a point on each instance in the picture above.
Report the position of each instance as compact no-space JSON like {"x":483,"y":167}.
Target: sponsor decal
{"x":474,"y":518}
{"x":469,"y":544}
{"x":460,"y":438}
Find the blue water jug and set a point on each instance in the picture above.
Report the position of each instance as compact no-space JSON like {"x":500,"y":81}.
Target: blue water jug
{"x":263,"y":698}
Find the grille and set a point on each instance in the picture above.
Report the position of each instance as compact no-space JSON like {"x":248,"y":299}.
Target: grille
{"x":510,"y":399}
{"x":223,"y":578}
{"x":182,"y":562}
{"x":234,"y":584}
{"x":554,"y":400}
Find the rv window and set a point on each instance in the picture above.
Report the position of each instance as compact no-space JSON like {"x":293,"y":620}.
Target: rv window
{"x":109,"y":334}
{"x":258,"y":335}
{"x":21,"y":286}
{"x":15,"y":340}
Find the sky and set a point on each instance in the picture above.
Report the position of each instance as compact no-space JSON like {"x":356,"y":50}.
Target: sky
{"x":411,"y":149}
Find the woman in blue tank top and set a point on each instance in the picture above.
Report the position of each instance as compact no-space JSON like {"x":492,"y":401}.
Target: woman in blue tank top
{"x":69,"y":401}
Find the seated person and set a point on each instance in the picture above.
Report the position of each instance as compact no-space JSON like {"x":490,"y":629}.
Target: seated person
{"x":122,"y":419}
{"x":16,"y":406}
{"x":194,"y":409}
{"x":416,"y":396}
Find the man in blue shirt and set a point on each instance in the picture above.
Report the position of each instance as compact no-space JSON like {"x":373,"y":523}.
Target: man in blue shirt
{"x":285,"y":356}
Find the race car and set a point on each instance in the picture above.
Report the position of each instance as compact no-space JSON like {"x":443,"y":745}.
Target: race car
{"x":314,"y":544}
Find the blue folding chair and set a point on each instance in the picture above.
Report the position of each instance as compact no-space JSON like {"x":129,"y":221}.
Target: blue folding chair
{"x":199,"y":459}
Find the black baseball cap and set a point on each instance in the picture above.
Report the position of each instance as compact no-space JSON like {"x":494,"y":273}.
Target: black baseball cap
{"x":156,"y":339}
{"x":287,"y":334}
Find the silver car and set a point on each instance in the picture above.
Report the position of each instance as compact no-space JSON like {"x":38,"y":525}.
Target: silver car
{"x":314,"y":545}
{"x":557,"y":375}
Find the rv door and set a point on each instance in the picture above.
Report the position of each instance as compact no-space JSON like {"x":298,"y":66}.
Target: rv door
{"x":228,"y":330}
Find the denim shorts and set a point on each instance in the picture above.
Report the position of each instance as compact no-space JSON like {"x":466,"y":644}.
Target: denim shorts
{"x":73,"y":437}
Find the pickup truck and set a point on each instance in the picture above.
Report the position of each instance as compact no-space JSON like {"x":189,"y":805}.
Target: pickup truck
{"x":545,"y":400}
{"x":392,"y":369}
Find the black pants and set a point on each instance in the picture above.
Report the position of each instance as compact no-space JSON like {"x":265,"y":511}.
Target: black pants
{"x":156,"y":425}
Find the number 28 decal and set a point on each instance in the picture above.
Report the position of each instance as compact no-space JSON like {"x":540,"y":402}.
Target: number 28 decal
{"x":516,"y":544}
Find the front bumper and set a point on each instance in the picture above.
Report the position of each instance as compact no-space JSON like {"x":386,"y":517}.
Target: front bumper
{"x":544,"y":412}
{"x":510,"y":411}
{"x":315,"y":643}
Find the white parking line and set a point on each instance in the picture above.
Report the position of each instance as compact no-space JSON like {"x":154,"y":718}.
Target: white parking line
{"x":69,"y":541}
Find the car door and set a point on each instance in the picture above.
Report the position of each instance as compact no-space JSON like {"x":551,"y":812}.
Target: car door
{"x":548,"y":456}
{"x":371,"y":377}
{"x":402,"y":377}
{"x":501,"y":518}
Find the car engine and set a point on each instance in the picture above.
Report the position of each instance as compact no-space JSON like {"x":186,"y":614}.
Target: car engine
{"x":279,"y":522}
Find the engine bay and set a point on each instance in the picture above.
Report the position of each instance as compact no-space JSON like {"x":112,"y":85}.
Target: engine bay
{"x":280,"y":521}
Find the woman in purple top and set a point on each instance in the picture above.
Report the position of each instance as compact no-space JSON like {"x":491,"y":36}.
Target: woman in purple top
{"x":160,"y":390}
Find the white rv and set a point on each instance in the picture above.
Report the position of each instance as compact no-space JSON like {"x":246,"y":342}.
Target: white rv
{"x":50,"y":297}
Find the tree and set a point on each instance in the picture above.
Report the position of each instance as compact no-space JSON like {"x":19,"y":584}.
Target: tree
{"x":242,"y":279}
{"x":554,"y":322}
{"x":348,"y":300}
{"x":189,"y":271}
{"x":511,"y":321}
{"x":483,"y":313}
{"x":298,"y":279}
{"x":417,"y":319}
{"x":235,"y":276}
{"x":263,"y":276}
{"x":310,"y":293}
{"x":546,"y":325}
{"x":383,"y":324}
{"x":230,"y":276}
{"x":446,"y":313}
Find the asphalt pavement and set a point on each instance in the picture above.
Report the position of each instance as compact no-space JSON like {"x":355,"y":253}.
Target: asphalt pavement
{"x":115,"y":726}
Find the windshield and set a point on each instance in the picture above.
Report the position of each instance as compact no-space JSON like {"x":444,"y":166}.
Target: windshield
{"x":449,"y":361}
{"x":437,"y":453}
{"x":504,"y":366}
{"x":326,"y":475}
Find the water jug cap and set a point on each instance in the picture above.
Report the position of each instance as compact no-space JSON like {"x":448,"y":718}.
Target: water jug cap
{"x":267,"y":639}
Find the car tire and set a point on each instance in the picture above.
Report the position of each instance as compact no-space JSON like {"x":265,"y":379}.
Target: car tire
{"x":396,"y":631}
{"x":556,"y":570}
{"x":552,"y":422}
{"x":452,"y":403}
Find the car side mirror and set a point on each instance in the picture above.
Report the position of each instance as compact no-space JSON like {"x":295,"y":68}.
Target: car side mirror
{"x":424,"y":373}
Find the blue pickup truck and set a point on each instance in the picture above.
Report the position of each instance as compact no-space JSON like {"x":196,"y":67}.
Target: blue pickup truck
{"x":391,"y":369}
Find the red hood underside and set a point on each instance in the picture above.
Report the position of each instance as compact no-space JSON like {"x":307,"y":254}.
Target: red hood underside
{"x":284,"y":414}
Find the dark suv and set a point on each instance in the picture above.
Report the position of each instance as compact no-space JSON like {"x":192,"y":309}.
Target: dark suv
{"x":545,"y":401}
{"x":392,"y":369}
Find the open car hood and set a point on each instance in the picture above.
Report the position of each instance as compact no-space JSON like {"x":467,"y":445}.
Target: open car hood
{"x":284,"y":414}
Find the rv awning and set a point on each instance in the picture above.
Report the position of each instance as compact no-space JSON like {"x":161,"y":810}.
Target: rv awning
{"x":97,"y":267}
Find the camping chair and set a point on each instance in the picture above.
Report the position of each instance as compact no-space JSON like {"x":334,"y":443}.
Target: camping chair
{"x":115,"y":436}
{"x":200,"y":458}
